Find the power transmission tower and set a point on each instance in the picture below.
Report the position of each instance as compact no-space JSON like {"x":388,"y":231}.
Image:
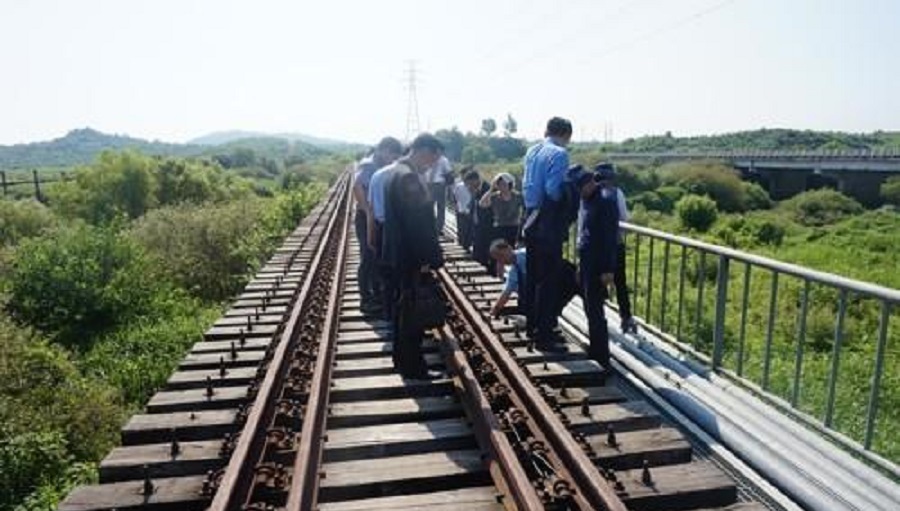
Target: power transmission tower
{"x":412,"y":102}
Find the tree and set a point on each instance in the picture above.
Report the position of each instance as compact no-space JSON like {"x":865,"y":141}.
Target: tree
{"x":697,"y":212}
{"x":454,"y":142}
{"x":477,"y":152}
{"x":510,"y":126}
{"x":488,"y":127}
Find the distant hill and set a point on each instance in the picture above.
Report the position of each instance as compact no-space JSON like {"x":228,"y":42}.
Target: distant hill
{"x":224,"y":137}
{"x":765,"y":139}
{"x":82,"y":146}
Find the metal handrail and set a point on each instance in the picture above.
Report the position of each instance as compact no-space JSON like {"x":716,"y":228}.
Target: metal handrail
{"x":888,"y":298}
{"x":830,"y":279}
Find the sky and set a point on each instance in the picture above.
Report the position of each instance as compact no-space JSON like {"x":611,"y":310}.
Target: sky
{"x":174,"y":70}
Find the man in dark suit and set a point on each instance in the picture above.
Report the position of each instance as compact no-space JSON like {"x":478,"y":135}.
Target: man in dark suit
{"x":411,"y":248}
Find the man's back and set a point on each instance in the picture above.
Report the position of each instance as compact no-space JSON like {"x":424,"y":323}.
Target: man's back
{"x":545,"y":166}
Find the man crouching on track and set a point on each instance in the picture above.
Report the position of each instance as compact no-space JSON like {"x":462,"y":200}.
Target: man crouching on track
{"x":598,"y":226}
{"x":411,"y":248}
{"x":516,"y":259}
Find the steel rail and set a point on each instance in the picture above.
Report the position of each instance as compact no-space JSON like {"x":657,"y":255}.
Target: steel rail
{"x":231,"y":493}
{"x":504,"y":465}
{"x":576,"y":466}
{"x":303,"y":491}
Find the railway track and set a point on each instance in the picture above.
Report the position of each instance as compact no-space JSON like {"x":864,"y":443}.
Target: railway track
{"x":291,"y":402}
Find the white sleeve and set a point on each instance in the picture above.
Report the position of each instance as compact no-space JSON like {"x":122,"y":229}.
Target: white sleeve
{"x":624,"y":216}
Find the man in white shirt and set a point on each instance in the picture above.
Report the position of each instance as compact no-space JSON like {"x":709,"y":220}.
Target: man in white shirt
{"x":440,"y":176}
{"x":462,"y":200}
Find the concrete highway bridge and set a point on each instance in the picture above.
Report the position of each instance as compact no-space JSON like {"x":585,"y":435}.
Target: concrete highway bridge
{"x":856,"y":173}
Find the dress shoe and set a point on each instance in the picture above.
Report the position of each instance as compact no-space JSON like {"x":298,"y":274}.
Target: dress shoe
{"x":424,"y":374}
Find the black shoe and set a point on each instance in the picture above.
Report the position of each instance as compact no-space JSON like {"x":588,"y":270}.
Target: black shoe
{"x":629,"y":325}
{"x":423,"y":374}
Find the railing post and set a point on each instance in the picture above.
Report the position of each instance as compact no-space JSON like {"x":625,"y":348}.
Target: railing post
{"x":3,"y":177}
{"x":872,"y":409}
{"x":721,"y":299}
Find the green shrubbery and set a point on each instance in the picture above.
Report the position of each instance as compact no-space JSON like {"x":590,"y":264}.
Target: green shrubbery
{"x":108,"y":288}
{"x":20,"y":219}
{"x":821,"y":207}
{"x":696,"y":212}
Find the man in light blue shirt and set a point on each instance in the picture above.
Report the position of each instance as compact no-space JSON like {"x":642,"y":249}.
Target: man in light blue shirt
{"x":545,"y":229}
{"x":517,"y":277}
{"x":387,"y":150}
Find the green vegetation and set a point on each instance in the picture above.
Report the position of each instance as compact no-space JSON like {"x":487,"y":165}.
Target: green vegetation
{"x":765,"y":139}
{"x":105,"y":288}
{"x":697,"y":212}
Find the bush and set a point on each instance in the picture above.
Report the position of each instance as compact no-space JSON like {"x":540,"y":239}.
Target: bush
{"x":138,"y":358}
{"x":210,"y":250}
{"x":697,"y":212}
{"x":757,"y":197}
{"x":715,"y":180}
{"x":81,"y":280}
{"x":890,"y":191}
{"x":117,"y":184}
{"x":21,"y":219}
{"x":745,"y":232}
{"x":821,"y":207}
{"x":50,"y":417}
{"x":131,"y":184}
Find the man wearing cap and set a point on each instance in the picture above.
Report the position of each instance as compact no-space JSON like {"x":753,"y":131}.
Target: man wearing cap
{"x":545,"y":229}
{"x":386,"y":152}
{"x":598,"y":227}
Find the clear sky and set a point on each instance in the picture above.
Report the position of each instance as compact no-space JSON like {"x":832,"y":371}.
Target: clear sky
{"x":173,"y":70}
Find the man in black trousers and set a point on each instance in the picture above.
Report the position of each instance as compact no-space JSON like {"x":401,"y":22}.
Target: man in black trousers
{"x":411,"y":248}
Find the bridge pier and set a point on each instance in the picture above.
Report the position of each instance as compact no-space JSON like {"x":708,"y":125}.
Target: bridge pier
{"x":862,"y":186}
{"x":782,"y":184}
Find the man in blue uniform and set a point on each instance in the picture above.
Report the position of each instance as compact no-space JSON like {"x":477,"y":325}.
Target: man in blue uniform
{"x":386,"y":152}
{"x":545,"y":228}
{"x":598,"y":227}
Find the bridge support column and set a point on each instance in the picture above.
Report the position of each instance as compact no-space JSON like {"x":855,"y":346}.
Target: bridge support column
{"x":862,"y":186}
{"x":785,"y":183}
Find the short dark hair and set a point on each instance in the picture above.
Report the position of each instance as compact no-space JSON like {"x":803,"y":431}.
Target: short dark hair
{"x":390,"y":144}
{"x":559,"y":127}
{"x":470,"y":174}
{"x":499,"y":244}
{"x":428,"y":142}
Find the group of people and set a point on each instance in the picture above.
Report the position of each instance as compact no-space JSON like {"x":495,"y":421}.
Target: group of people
{"x":401,"y":200}
{"x":397,"y":232}
{"x":485,"y":213}
{"x":556,"y":195}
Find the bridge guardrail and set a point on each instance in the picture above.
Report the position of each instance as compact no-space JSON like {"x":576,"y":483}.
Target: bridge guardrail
{"x":777,"y":373}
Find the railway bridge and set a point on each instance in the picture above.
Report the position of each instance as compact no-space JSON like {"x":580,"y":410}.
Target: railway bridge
{"x":289,"y":401}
